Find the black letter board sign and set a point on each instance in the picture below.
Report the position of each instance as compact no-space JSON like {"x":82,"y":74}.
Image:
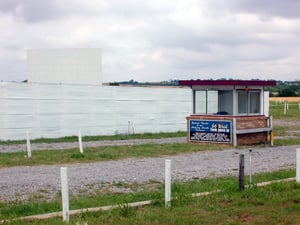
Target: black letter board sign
{"x":210,"y":131}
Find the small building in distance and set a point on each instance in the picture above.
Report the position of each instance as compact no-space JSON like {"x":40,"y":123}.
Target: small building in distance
{"x":82,"y":66}
{"x":229,"y":111}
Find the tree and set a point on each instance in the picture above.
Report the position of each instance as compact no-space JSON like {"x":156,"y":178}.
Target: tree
{"x":287,"y":92}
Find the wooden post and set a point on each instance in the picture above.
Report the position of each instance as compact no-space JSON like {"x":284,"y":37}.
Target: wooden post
{"x":80,"y":142}
{"x":167,"y":183}
{"x":65,"y":194}
{"x":241,"y":172}
{"x":28,"y":145}
{"x":298,"y":165}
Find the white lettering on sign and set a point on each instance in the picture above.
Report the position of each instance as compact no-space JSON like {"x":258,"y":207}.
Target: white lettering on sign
{"x":219,"y":137}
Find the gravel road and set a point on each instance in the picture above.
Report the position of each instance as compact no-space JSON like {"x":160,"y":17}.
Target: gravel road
{"x":22,"y":182}
{"x":69,"y":145}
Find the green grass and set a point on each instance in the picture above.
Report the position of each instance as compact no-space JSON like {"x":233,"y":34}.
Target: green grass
{"x":49,"y":157}
{"x":275,"y":204}
{"x":292,"y":114}
{"x":100,"y":138}
{"x":277,"y":111}
{"x":290,"y":138}
{"x":286,"y":142}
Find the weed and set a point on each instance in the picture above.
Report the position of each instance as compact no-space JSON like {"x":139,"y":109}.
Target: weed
{"x":124,"y":210}
{"x":77,"y":156}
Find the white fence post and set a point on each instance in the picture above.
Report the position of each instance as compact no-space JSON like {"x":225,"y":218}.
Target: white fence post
{"x":132,"y":126}
{"x":285,"y":106}
{"x":168,"y":183}
{"x":28,"y":145}
{"x":234,"y":135}
{"x":298,"y":165}
{"x":80,"y":142}
{"x":65,"y":193}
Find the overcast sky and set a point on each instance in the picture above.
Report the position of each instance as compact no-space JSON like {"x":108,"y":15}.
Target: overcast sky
{"x":154,"y":40}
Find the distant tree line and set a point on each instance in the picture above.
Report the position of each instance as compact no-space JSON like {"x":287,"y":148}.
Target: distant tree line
{"x":285,"y":89}
{"x":136,"y":83}
{"x":282,"y":89}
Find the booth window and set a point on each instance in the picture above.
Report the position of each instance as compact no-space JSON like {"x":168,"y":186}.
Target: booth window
{"x":206,"y":102}
{"x":213,"y":102}
{"x":248,"y":102}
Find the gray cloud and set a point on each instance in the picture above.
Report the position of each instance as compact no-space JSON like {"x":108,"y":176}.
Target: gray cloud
{"x":268,"y":8}
{"x":157,"y":40}
{"x":33,"y":10}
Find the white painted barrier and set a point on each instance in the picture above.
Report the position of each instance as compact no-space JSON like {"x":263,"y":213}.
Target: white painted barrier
{"x":284,"y":108}
{"x":80,"y":142}
{"x":298,"y":165}
{"x":168,"y":183}
{"x":28,"y":145}
{"x":234,"y":132}
{"x":65,"y":194}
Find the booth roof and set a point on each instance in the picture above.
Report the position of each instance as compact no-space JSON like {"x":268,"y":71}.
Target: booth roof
{"x":227,"y":82}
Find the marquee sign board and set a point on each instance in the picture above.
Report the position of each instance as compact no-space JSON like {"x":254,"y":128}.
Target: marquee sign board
{"x":219,"y":131}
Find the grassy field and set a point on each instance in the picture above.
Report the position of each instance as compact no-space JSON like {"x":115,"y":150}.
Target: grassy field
{"x":278,"y":112}
{"x":290,"y":128}
{"x":252,"y":206}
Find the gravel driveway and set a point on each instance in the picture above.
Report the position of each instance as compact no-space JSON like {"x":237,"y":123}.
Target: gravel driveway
{"x":21,"y":183}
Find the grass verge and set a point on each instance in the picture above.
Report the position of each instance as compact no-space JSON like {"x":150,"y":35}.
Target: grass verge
{"x":290,"y":134}
{"x":103,"y":153}
{"x":275,"y":204}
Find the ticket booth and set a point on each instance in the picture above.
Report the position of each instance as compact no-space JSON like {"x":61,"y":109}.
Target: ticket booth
{"x":229,"y":111}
